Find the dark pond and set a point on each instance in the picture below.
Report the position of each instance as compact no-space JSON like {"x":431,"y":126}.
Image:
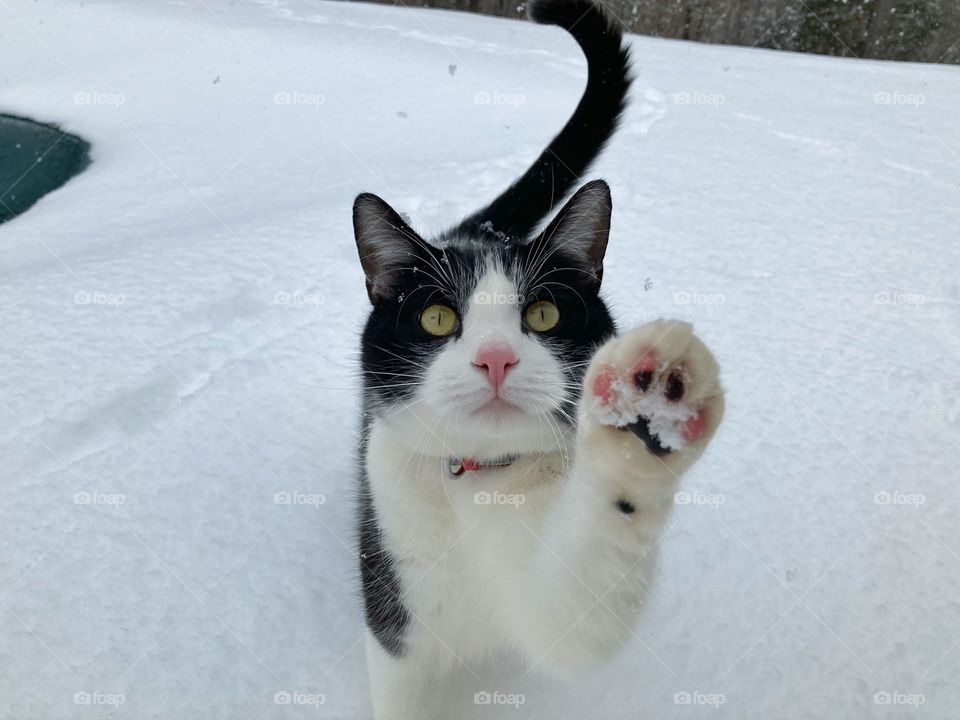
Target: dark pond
{"x":35,"y":158}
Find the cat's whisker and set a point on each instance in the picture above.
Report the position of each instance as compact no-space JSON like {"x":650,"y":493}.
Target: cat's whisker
{"x":405,"y":359}
{"x":561,"y":444}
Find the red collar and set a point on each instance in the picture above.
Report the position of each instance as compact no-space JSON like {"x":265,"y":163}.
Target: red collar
{"x":459,"y":467}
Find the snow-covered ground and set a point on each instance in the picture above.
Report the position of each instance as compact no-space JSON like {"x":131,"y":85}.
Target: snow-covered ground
{"x":180,"y":329}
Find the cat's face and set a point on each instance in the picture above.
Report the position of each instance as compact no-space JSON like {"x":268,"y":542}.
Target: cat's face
{"x":476,"y":348}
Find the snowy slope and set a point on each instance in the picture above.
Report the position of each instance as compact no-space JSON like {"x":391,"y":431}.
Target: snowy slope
{"x":180,"y":332}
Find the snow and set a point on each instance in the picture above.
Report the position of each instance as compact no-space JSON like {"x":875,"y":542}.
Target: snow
{"x":181,"y":322}
{"x":666,"y":419}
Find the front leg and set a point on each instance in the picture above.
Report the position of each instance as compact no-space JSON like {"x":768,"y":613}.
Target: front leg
{"x":651,"y":402}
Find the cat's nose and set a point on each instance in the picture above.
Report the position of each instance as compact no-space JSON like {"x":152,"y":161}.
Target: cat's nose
{"x":497,"y":358}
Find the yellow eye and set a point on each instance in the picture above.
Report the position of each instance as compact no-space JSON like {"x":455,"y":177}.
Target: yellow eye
{"x":438,"y":320}
{"x":542,"y":316}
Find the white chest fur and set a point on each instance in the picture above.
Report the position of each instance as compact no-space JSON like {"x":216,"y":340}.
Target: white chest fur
{"x":459,"y":544}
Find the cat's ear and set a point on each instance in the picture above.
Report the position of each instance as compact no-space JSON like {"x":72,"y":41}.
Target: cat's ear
{"x":581,"y":229}
{"x":385,"y":242}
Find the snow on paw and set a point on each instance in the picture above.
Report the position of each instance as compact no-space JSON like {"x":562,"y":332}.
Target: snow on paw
{"x":660,"y":383}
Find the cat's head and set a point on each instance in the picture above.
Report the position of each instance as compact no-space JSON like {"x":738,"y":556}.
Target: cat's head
{"x":476,"y":346}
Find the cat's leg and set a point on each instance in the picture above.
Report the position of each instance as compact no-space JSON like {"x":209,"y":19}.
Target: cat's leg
{"x":398,"y":685}
{"x":651,"y":402}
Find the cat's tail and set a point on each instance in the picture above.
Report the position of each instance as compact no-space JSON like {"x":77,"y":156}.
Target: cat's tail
{"x":524,"y":204}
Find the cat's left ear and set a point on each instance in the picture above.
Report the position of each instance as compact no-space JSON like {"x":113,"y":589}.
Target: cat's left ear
{"x":580,"y":230}
{"x":386,"y":245}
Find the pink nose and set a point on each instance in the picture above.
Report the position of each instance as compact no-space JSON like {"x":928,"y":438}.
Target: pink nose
{"x":497,"y":358}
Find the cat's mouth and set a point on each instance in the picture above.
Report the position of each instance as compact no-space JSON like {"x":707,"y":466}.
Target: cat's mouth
{"x":496,"y":406}
{"x":455,"y":467}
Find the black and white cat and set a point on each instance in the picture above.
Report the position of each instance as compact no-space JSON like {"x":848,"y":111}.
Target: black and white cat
{"x":519,"y":459}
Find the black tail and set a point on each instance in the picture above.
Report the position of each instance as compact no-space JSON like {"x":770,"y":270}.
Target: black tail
{"x":524,"y":204}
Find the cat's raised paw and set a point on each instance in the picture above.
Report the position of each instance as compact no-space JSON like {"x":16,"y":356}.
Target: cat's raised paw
{"x":659,"y":382}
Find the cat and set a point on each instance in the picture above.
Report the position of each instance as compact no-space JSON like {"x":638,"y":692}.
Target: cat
{"x":519,"y":458}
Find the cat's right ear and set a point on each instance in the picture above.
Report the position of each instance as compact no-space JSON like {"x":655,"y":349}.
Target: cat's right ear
{"x":581,"y":229}
{"x":386,"y":245}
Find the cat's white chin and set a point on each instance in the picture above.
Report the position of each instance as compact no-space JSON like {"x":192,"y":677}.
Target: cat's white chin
{"x":497,"y":409}
{"x":499,"y":430}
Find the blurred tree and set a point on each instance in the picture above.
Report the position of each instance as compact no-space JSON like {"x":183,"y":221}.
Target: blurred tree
{"x":830,"y":28}
{"x":911,"y":24}
{"x":920,"y":30}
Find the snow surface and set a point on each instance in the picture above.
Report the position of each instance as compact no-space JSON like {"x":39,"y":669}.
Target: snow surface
{"x":180,"y":331}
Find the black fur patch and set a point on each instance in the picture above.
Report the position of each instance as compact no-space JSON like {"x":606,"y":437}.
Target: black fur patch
{"x":626,"y":507}
{"x":641,"y":428}
{"x":386,"y":615}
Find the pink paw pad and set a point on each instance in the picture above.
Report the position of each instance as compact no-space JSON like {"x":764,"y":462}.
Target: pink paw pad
{"x":601,"y":385}
{"x":694,"y":426}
